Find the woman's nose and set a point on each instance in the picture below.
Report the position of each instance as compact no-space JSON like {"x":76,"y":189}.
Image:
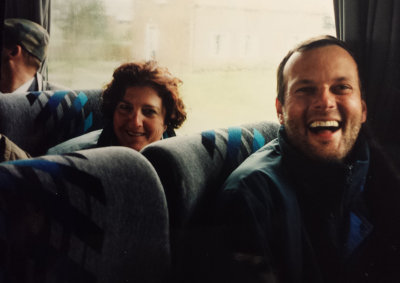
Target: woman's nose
{"x":137,"y":119}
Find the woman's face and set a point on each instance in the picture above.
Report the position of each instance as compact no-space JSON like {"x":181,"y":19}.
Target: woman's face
{"x":139,"y":117}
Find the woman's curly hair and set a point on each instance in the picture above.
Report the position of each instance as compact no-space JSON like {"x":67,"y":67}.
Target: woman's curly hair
{"x":145,"y":74}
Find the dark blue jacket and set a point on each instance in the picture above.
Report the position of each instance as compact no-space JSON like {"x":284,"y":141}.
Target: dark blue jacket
{"x":284,"y":218}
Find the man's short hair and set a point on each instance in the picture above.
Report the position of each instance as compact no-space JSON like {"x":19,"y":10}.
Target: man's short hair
{"x":31,"y":60}
{"x":309,"y":44}
{"x":32,"y":37}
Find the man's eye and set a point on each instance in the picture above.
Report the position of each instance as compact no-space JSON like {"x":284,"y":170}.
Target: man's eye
{"x":306,"y":89}
{"x":342,"y":88}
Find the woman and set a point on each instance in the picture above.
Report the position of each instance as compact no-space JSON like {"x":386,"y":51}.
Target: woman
{"x":141,"y":105}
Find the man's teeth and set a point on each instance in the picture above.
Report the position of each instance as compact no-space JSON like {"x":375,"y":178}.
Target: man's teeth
{"x":317,"y":124}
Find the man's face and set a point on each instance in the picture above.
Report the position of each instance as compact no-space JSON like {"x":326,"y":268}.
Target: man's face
{"x":323,"y":110}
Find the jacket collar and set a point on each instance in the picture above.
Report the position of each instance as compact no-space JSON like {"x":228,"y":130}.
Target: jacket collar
{"x":37,"y":83}
{"x":333,"y":186}
{"x":315,"y":175}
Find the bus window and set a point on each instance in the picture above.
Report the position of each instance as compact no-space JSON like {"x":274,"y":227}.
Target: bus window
{"x":226,"y":52}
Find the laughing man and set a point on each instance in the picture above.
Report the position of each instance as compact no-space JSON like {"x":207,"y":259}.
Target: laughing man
{"x":318,"y":203}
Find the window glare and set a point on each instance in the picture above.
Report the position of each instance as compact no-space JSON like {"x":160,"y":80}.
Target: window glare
{"x":225,"y":51}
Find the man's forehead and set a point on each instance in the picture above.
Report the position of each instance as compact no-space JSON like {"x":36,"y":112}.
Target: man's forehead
{"x":302,"y":61}
{"x":294,"y":58}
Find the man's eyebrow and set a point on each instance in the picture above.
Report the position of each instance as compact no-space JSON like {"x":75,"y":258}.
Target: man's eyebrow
{"x":304,"y":81}
{"x":308,"y":81}
{"x":341,"y":79}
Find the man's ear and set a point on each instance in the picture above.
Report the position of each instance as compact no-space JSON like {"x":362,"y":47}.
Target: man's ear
{"x":14,"y":51}
{"x":279,"y":111}
{"x":364,"y":110}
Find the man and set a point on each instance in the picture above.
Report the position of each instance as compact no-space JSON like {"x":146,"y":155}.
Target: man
{"x":25,"y":47}
{"x":318,"y":204}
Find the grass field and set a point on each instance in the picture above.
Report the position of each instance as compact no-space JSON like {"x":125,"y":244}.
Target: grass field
{"x":214,"y":99}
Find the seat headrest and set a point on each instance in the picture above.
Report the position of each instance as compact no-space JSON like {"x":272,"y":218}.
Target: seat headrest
{"x":97,"y":215}
{"x":190,"y":165}
{"x":36,"y":121}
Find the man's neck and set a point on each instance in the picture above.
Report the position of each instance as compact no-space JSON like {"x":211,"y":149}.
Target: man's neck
{"x":14,"y":78}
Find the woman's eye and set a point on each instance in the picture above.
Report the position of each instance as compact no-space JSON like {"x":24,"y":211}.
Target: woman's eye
{"x":149,"y":112}
{"x":125,"y":108}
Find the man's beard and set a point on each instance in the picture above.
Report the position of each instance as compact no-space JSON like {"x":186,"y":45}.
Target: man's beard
{"x":319,"y":152}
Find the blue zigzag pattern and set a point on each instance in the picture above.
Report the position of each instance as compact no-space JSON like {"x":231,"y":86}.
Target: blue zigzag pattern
{"x":54,"y":101}
{"x":234,"y":143}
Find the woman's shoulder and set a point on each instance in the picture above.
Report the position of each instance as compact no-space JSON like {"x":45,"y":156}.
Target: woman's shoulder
{"x":85,"y":141}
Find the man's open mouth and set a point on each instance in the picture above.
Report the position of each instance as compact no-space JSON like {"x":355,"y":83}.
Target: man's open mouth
{"x":318,"y":126}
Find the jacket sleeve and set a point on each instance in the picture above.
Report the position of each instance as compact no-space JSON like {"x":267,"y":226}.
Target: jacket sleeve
{"x":246,"y":216}
{"x":10,"y":151}
{"x":238,"y":245}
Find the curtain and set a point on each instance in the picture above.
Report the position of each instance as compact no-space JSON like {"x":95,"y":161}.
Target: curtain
{"x":372,"y":30}
{"x":35,"y":10}
{"x":2,"y":7}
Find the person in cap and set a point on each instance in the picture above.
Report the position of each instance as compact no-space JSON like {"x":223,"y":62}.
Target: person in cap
{"x":24,"y":49}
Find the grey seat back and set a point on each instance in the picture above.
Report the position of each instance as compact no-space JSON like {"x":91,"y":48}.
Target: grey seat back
{"x":191,"y":165}
{"x":36,"y":121}
{"x":192,"y":170}
{"x":97,"y":215}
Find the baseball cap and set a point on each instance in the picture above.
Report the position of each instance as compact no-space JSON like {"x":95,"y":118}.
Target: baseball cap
{"x":30,"y":35}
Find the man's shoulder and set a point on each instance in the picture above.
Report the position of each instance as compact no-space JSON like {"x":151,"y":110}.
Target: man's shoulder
{"x":85,"y":141}
{"x":261,"y":182}
{"x":262,"y":165}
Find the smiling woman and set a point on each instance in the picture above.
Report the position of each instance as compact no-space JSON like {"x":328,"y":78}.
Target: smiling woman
{"x":139,"y":117}
{"x":141,"y":105}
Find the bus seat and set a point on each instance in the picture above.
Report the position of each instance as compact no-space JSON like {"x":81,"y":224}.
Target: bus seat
{"x":35,"y":121}
{"x":192,"y":169}
{"x":191,"y":165}
{"x":96,"y":215}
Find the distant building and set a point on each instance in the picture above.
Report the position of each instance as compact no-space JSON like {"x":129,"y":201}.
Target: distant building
{"x":210,"y":34}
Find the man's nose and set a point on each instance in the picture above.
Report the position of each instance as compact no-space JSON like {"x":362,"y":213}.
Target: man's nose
{"x":324,"y":99}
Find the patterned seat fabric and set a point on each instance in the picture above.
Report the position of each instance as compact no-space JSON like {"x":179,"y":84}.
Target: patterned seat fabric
{"x":36,"y":121}
{"x":97,"y":215}
{"x":190,"y":166}
{"x":192,"y":170}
